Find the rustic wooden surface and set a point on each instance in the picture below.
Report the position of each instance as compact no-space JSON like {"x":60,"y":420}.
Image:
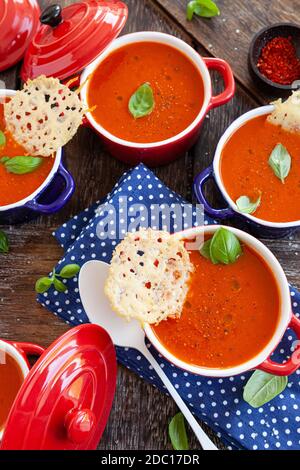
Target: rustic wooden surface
{"x":234,"y":28}
{"x":140,"y":414}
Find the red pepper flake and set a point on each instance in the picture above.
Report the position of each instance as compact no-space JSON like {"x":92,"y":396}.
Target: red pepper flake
{"x":279,"y":62}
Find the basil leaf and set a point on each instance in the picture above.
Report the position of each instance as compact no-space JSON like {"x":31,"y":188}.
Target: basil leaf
{"x":4,"y":245}
{"x":204,"y":8}
{"x":2,"y":139}
{"x":263,"y":387}
{"x":280,"y":162}
{"x":224,"y":247}
{"x":43,"y":284}
{"x":246,"y":206}
{"x":68,"y":271}
{"x":177,"y":433}
{"x":205,"y":249}
{"x":141,"y":102}
{"x":22,"y":164}
{"x":59,"y":286}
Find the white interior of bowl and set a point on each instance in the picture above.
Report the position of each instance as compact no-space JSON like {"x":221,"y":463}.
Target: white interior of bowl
{"x":284,"y":314}
{"x":4,"y":93}
{"x":149,"y":36}
{"x":7,"y":348}
{"x":261,"y":111}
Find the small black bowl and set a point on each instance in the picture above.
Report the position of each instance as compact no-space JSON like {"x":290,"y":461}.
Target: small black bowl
{"x":259,"y":41}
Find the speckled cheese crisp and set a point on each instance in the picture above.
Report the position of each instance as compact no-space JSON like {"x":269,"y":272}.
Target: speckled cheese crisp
{"x":43,"y":116}
{"x":148,"y":276}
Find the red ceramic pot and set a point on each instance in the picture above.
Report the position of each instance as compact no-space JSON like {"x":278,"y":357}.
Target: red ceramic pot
{"x":160,"y":153}
{"x":65,"y":398}
{"x":287,"y":319}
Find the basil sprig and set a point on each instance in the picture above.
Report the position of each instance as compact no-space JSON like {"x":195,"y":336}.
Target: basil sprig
{"x":4,"y":244}
{"x":204,"y":8}
{"x":224,"y":247}
{"x":2,"y":139}
{"x":141,"y":103}
{"x":246,"y":206}
{"x":280,"y":161}
{"x":43,"y":284}
{"x":177,"y":433}
{"x":21,"y":165}
{"x":263,"y":387}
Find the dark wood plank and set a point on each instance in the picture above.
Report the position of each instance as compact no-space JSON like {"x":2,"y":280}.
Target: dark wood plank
{"x":228,"y":36}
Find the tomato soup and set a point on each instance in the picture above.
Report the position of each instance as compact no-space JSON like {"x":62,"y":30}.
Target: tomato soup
{"x":230,"y":314}
{"x":176,"y":83}
{"x":11,"y":379}
{"x":13,"y":187}
{"x":245,"y":170}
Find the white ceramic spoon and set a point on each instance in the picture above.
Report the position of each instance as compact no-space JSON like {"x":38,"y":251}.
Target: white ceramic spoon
{"x":127,"y":334}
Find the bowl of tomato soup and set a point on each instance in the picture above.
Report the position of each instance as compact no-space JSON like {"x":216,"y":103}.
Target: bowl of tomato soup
{"x":181,"y":96}
{"x":43,"y":191}
{"x":14,"y":367}
{"x":241,"y":168}
{"x":234,"y":315}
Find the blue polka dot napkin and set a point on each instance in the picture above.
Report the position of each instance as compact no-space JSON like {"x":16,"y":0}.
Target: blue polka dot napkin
{"x":218,"y":402}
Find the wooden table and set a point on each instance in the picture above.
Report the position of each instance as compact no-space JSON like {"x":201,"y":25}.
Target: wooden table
{"x":140,"y":415}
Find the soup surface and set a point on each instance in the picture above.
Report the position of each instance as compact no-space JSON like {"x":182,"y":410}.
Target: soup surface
{"x":230,"y":313}
{"x":14,"y":187}
{"x":11,"y":379}
{"x":245,"y":170}
{"x":176,"y":83}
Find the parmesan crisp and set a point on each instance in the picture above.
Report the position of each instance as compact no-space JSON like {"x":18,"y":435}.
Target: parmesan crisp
{"x":43,"y":116}
{"x":287,"y":114}
{"x":148,"y":276}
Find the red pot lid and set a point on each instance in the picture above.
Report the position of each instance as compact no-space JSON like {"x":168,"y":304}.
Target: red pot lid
{"x":65,"y":400}
{"x":19,"y":22}
{"x":71,"y":38}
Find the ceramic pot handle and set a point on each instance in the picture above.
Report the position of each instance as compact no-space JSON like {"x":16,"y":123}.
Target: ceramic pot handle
{"x":61,"y":200}
{"x":199,"y":183}
{"x":30,"y":349}
{"x":293,"y":363}
{"x":224,"y":69}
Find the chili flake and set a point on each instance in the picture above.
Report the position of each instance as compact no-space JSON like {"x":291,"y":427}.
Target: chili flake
{"x":279,"y":62}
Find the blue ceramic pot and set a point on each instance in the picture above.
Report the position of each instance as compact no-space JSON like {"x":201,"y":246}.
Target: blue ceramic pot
{"x":259,"y":227}
{"x":50,"y":197}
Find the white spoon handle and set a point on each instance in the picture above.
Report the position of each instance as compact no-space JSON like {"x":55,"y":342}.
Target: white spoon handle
{"x":204,"y":440}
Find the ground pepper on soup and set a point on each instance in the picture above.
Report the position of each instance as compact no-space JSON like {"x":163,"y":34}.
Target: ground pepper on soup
{"x":177,"y":87}
{"x":230,"y":314}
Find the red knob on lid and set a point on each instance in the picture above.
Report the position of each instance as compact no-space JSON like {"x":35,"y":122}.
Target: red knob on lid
{"x":79,"y":424}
